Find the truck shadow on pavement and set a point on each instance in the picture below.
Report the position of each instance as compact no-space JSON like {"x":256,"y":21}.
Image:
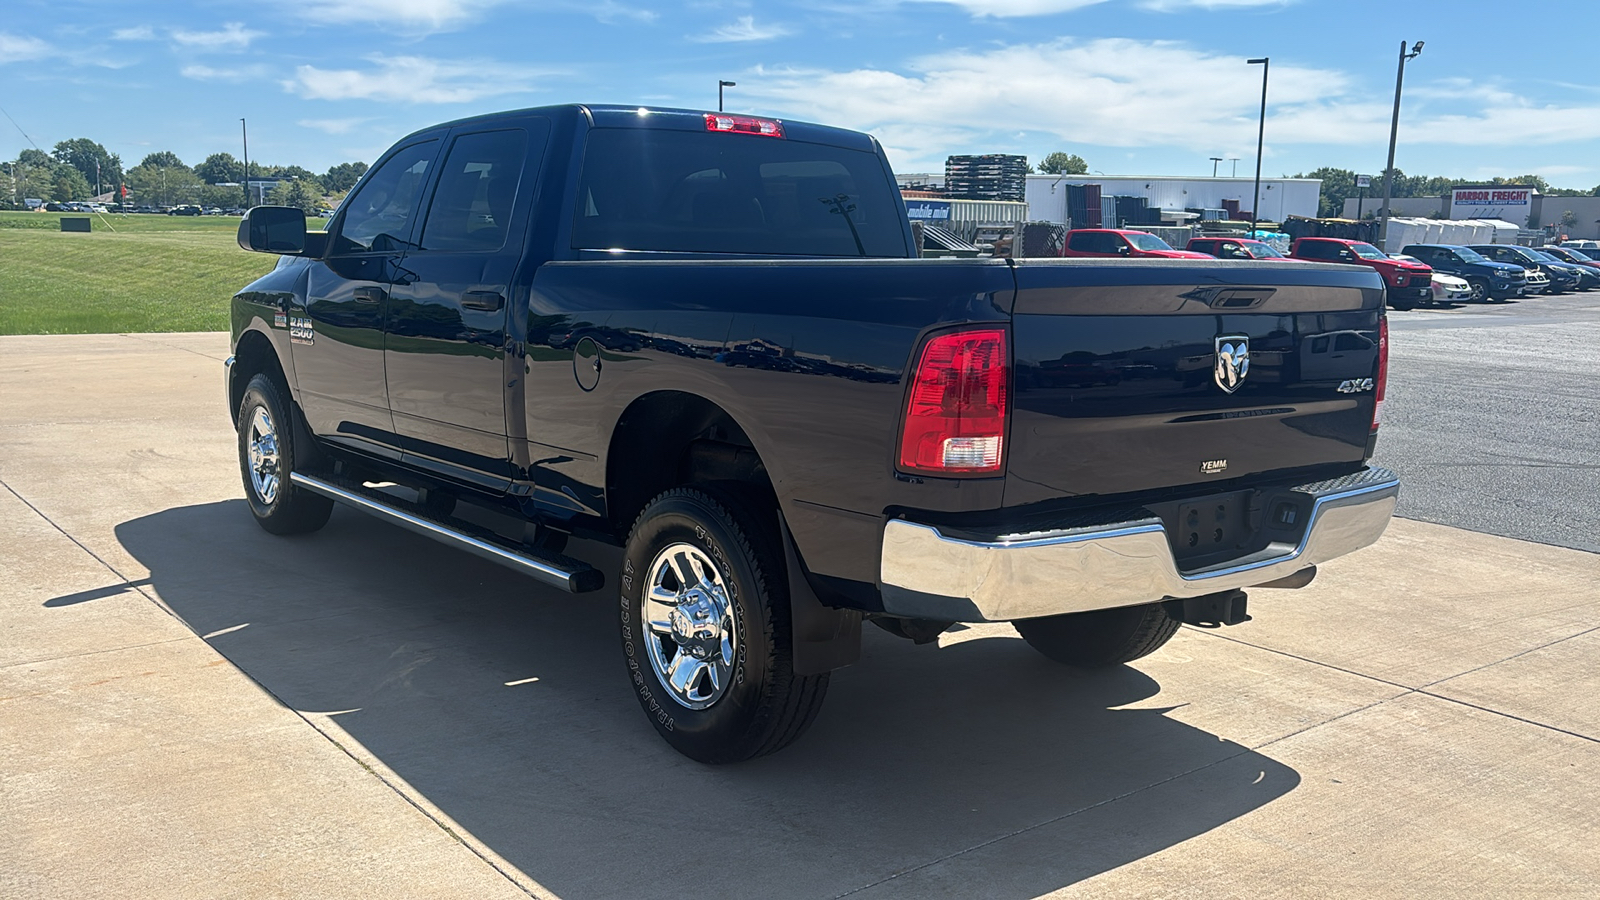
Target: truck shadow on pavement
{"x":974,"y":769}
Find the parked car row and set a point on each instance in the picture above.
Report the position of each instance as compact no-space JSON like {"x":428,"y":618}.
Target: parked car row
{"x":1420,"y":273}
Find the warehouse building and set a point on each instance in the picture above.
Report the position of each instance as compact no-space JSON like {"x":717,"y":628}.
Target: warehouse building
{"x":1047,"y":196}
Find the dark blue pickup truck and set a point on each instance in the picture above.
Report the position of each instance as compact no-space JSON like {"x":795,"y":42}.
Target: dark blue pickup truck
{"x":705,"y":339}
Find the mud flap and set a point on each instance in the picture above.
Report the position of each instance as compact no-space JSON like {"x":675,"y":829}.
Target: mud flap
{"x":825,"y":637}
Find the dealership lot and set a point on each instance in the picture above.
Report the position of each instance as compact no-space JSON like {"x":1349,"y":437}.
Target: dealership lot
{"x":191,"y":707}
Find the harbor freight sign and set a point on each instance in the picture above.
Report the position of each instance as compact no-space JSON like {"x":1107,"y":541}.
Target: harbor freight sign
{"x":933,"y":212}
{"x":1509,"y":202}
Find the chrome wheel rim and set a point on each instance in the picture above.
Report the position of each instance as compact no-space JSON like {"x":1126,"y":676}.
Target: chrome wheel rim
{"x":263,"y":456}
{"x":693,"y":640}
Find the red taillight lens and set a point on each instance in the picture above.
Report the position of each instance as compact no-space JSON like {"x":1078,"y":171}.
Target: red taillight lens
{"x":1383,"y":371}
{"x":744,"y":125}
{"x":956,"y":413}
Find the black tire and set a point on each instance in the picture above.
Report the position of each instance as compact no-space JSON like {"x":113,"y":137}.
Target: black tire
{"x":763,"y":706}
{"x":1106,"y":637}
{"x":1480,"y":290}
{"x":283,"y":508}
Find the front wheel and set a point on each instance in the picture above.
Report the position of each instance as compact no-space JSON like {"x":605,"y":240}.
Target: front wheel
{"x":1104,"y":637}
{"x":266,"y":457}
{"x":1480,"y":290}
{"x":705,"y":626}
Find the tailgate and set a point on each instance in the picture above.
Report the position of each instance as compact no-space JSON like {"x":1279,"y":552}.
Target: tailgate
{"x":1123,"y":370}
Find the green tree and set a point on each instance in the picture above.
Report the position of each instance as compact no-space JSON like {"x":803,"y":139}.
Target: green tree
{"x":163,"y":159}
{"x":302,"y":193}
{"x":219,"y":167}
{"x":221,"y":197}
{"x":93,"y":161}
{"x":1337,"y":185}
{"x":344,"y":176}
{"x":67,"y":183}
{"x":1063,"y":163}
{"x":163,"y":185}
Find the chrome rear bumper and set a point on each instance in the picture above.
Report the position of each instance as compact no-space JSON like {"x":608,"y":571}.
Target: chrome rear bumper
{"x":928,"y":574}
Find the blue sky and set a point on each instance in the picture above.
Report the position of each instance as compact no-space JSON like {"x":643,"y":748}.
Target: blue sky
{"x":1134,"y":86}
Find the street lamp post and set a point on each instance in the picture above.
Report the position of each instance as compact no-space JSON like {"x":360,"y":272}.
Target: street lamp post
{"x":1214,"y":161}
{"x":1261,"y":138}
{"x":1394,"y":131}
{"x":244,"y":132}
{"x":720,"y":85}
{"x":1235,"y":161}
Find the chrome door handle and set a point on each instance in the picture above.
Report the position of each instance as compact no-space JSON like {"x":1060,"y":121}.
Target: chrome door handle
{"x":488,"y":301}
{"x":368,"y":294}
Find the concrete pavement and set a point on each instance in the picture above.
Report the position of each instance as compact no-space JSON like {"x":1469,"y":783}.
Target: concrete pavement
{"x":190,"y":707}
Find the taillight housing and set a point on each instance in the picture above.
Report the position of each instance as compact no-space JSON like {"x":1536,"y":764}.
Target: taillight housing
{"x":1383,"y":371}
{"x":744,"y":125}
{"x":956,"y":408}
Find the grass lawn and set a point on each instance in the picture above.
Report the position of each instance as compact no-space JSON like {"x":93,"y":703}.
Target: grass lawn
{"x":152,"y":273}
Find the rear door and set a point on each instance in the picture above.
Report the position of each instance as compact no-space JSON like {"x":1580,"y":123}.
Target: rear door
{"x":446,"y":350}
{"x":338,"y":336}
{"x":1132,"y":377}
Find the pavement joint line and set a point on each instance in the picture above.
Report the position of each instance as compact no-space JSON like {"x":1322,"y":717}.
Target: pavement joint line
{"x":1423,"y":689}
{"x":442,"y":826}
{"x":1037,"y":825}
{"x":47,"y":659}
{"x":139,"y":337}
{"x":1511,"y":657}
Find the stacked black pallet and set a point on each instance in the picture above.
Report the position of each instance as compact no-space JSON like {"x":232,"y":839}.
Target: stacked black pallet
{"x":1135,"y":211}
{"x":992,"y":176}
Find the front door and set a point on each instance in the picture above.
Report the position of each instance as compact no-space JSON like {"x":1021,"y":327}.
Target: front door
{"x":446,"y":346}
{"x":337,"y":339}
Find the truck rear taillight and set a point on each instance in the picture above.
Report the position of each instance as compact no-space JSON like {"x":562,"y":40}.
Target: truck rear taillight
{"x":955,"y":421}
{"x":744,"y":125}
{"x":1383,"y":370}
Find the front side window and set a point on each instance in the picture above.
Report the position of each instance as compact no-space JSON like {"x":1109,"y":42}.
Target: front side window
{"x":378,"y":216}
{"x":1367,"y":251}
{"x":701,"y":192}
{"x":1462,"y":254}
{"x":1147,"y":242}
{"x":471,"y":207}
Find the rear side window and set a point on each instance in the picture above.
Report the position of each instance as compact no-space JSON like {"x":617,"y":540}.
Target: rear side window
{"x":1095,"y":242}
{"x":690,"y":192}
{"x":477,"y":187}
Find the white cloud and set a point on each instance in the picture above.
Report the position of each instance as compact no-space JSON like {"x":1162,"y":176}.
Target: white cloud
{"x":231,"y":73}
{"x":412,"y":79}
{"x":426,"y":15}
{"x":1137,"y":94}
{"x":233,"y":36}
{"x":136,"y":33}
{"x":333,"y":126}
{"x":18,"y":47}
{"x":743,"y":29}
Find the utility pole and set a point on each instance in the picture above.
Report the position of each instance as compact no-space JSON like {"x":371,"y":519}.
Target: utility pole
{"x":1214,"y":161}
{"x":1394,"y":131}
{"x":246,"y":134}
{"x":720,"y":85}
{"x":1261,"y":138}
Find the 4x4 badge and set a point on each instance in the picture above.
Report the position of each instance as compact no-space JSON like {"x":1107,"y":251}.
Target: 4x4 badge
{"x":1233,"y":361}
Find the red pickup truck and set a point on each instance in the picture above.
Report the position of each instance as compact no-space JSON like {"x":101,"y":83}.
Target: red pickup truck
{"x":1112,"y":242}
{"x":1406,"y":283}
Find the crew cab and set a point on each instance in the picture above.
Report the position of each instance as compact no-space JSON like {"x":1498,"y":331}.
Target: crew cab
{"x":1407,"y":282}
{"x":1490,"y":280}
{"x":1115,"y":242}
{"x":1233,"y":248}
{"x":706,"y":339}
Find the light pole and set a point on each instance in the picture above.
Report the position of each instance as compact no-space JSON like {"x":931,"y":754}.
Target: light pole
{"x":1261,"y":138}
{"x":1214,"y":161}
{"x":1235,"y":161}
{"x":244,"y":132}
{"x":1394,"y":131}
{"x":720,"y":85}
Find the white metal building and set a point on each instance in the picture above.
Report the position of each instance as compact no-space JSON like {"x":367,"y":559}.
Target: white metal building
{"x":1280,"y":197}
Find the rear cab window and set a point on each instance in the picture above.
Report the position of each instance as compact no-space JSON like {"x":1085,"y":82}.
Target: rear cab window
{"x":703,"y":192}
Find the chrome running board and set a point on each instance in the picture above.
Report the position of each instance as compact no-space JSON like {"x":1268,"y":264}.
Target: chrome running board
{"x":567,"y":574}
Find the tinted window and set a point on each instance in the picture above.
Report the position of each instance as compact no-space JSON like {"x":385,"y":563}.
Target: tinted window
{"x":1147,"y":242}
{"x":697,"y":192}
{"x":378,"y":216}
{"x":1317,"y":250}
{"x":477,"y":186}
{"x":1085,"y":242}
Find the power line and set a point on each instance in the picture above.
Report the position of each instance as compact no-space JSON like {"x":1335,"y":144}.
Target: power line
{"x":19,"y":129}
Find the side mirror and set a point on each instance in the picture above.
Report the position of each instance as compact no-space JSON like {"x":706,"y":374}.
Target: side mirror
{"x":1123,"y":249}
{"x":274,"y":229}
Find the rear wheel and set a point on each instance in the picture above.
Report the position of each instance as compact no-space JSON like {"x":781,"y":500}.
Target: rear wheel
{"x":1105,"y":637}
{"x":266,"y":457}
{"x":706,"y":633}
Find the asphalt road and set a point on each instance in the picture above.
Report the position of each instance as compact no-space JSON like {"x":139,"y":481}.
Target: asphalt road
{"x":1493,"y":417}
